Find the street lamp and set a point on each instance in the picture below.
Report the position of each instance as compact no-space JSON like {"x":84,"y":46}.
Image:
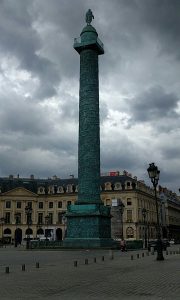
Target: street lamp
{"x":17,"y":221}
{"x":144,"y":213}
{"x":2,"y":221}
{"x":47,"y":218}
{"x":121,"y":210}
{"x":28,"y":211}
{"x":64,"y":221}
{"x":154,"y":176}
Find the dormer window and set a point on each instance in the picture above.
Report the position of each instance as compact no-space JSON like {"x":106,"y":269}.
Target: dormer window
{"x":117,"y":186}
{"x":69,"y":188}
{"x":108,"y":186}
{"x":41,"y":190}
{"x":60,"y":190}
{"x":51,"y":190}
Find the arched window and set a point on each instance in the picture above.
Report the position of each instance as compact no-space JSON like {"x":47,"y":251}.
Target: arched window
{"x":60,"y":217}
{"x":130,"y":232}
{"x":128,"y":185}
{"x":108,"y":186}
{"x":59,"y":234}
{"x":41,"y":190}
{"x":51,"y":189}
{"x":29,"y":231}
{"x":117,"y":186}
{"x":40,"y":231}
{"x":60,"y":190}
{"x":7,"y":231}
{"x":69,"y":188}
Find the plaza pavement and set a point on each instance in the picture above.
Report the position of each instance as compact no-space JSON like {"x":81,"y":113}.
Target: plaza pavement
{"x":57,"y":278}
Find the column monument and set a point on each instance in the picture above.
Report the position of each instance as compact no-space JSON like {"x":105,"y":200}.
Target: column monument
{"x":88,"y":220}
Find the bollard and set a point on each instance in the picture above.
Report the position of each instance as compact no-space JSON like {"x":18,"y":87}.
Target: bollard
{"x":75,"y":263}
{"x":143,"y":254}
{"x":166,"y":252}
{"x":86,"y":261}
{"x":138,"y":255}
{"x":102,"y":258}
{"x":170,"y":252}
{"x":132,"y":257}
{"x":111,"y":255}
{"x":37,"y":265}
{"x":23,"y":267}
{"x":7,"y":270}
{"x":94,"y":259}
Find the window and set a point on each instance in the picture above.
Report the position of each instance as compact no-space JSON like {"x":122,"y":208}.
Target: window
{"x":108,"y":202}
{"x":107,"y":186}
{"x":60,"y":189}
{"x":41,"y":190}
{"x":129,"y":215}
{"x":60,"y":217}
{"x":68,"y":203}
{"x":29,"y":218}
{"x":29,"y":204}
{"x":129,"y":202}
{"x":7,"y":231}
{"x":8,"y":204}
{"x":50,"y":204}
{"x":50,"y":218}
{"x":40,"y":205}
{"x":60,"y":204}
{"x":40,"y":218}
{"x":130,"y":232}
{"x":128,"y":184}
{"x":69,"y":188}
{"x":40,"y":231}
{"x":29,"y":231}
{"x":18,"y":218}
{"x":18,"y":204}
{"x":7,"y":218}
{"x":117,"y":186}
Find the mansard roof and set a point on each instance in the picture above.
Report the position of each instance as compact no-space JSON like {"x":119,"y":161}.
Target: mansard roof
{"x":7,"y":183}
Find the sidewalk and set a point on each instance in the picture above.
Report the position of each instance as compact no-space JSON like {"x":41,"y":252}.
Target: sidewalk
{"x":142,"y":278}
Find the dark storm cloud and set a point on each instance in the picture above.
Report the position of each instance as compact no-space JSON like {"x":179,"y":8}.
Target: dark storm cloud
{"x":163,"y":20}
{"x":142,"y":44}
{"x":20,"y":115}
{"x":120,"y":153}
{"x":172,"y":152}
{"x":153,"y":105}
{"x":19,"y":39}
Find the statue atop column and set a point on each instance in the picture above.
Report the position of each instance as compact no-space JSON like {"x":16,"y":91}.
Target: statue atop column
{"x":89,"y":16}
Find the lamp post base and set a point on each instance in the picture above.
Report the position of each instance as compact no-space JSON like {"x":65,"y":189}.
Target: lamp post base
{"x":159,"y":250}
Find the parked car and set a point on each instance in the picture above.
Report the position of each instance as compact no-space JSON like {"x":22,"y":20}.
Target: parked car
{"x":172,"y":242}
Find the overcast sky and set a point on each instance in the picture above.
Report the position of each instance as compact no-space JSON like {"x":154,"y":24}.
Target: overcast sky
{"x":139,"y":86}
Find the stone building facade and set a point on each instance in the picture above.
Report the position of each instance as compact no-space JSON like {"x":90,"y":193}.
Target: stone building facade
{"x":51,"y":197}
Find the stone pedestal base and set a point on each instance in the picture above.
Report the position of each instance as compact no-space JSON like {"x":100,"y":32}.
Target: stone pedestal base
{"x":88,"y":226}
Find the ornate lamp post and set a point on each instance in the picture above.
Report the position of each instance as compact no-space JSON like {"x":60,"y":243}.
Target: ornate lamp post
{"x":17,"y":221}
{"x":121,"y":210}
{"x":144,"y":213}
{"x":64,"y":221}
{"x":28,"y":211}
{"x":154,"y":176}
{"x":47,"y":218}
{"x":2,"y":221}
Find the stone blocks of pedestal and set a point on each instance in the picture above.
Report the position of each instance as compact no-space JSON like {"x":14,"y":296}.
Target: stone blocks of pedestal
{"x":88,"y":226}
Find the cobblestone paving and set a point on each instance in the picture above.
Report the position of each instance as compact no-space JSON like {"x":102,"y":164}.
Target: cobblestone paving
{"x":57,"y":278}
